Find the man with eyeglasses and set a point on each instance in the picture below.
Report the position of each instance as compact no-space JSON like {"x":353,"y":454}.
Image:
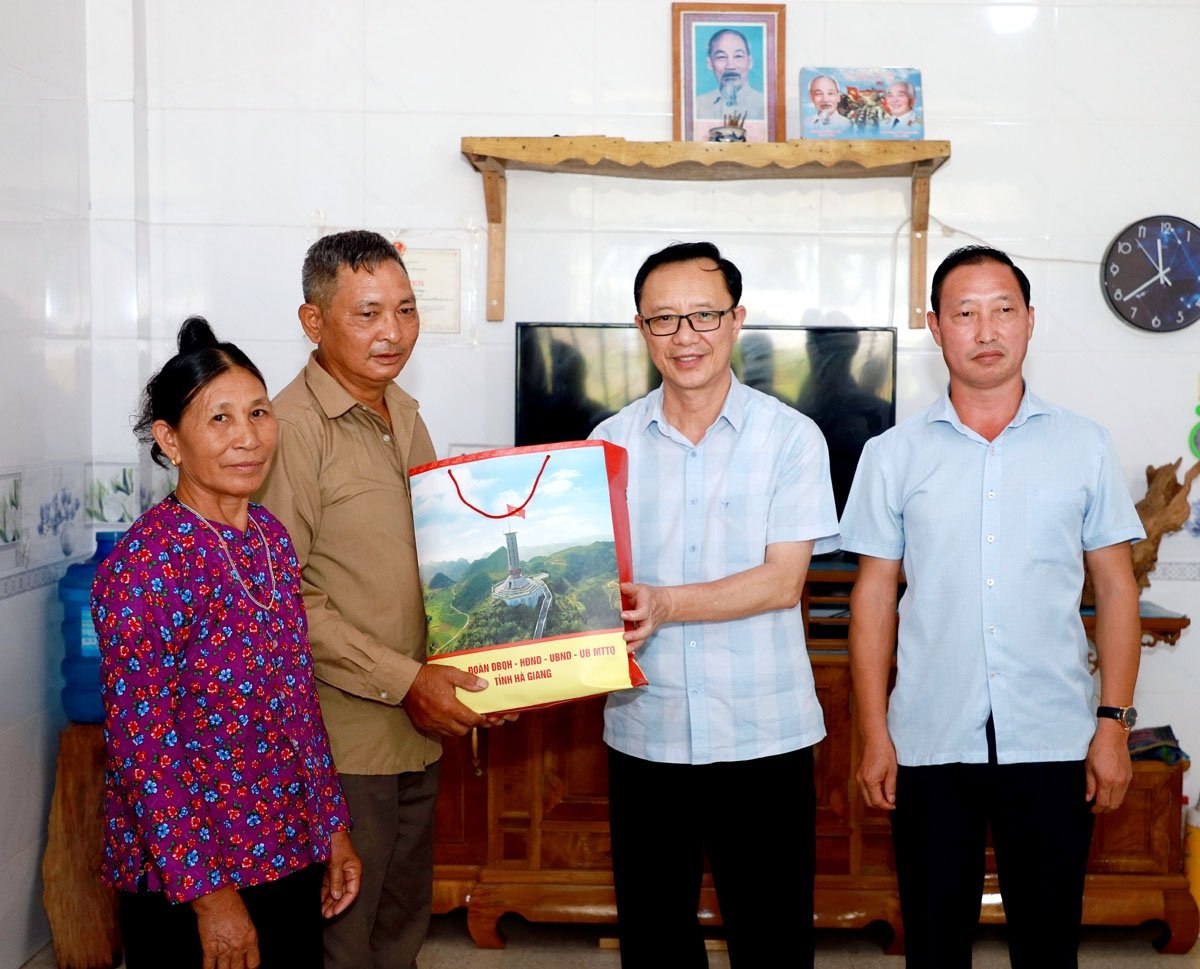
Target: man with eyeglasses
{"x":729,"y":496}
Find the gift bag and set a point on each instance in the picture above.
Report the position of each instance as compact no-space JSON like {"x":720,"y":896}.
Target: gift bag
{"x":521,"y":552}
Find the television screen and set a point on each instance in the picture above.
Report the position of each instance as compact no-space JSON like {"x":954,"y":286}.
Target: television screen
{"x":571,"y":376}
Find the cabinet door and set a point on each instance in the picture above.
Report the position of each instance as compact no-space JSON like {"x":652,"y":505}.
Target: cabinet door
{"x":460,"y":824}
{"x":831,"y":765}
{"x":549,"y":790}
{"x":1143,"y":835}
{"x":574,"y":788}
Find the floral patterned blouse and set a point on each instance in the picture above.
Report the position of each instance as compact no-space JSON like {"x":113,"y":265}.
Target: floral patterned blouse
{"x":218,"y":767}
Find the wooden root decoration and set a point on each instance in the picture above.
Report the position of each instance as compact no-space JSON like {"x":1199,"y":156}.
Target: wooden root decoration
{"x":1163,"y":510}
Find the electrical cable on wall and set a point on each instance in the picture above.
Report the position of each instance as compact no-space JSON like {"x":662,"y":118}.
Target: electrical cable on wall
{"x":949,"y":231}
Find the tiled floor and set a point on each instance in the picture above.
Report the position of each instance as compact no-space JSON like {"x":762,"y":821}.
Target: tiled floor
{"x":579,"y":947}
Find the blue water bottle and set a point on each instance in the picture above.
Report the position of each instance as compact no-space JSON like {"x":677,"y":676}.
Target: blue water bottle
{"x":81,"y":666}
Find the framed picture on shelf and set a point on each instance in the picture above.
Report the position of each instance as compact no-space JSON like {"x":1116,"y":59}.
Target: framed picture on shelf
{"x":728,"y":71}
{"x":881,"y":103}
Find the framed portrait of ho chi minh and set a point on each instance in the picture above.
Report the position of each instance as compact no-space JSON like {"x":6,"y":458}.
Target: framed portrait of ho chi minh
{"x":728,"y":71}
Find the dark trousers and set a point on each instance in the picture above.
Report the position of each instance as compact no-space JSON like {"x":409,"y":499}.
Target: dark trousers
{"x":286,"y":915}
{"x":1041,"y":832}
{"x":753,"y":820}
{"x":393,"y":835}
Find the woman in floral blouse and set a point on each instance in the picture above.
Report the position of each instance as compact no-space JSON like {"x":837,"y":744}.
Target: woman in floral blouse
{"x":226,"y":829}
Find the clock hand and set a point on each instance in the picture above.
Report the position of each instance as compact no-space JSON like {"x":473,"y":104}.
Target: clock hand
{"x":1160,"y":265}
{"x":1149,"y":258}
{"x":1161,"y":277}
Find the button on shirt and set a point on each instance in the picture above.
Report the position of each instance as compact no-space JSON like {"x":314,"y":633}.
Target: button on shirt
{"x":721,"y":691}
{"x":992,"y":536}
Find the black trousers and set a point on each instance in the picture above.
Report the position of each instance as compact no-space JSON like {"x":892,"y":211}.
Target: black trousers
{"x":286,"y":914}
{"x":755,"y":823}
{"x":1041,"y":832}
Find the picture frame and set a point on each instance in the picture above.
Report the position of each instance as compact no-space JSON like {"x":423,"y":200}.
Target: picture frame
{"x":875,"y":103}
{"x":729,"y":67}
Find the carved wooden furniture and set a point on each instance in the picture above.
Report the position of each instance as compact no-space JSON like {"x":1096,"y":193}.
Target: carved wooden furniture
{"x":522,"y":821}
{"x":705,"y":161}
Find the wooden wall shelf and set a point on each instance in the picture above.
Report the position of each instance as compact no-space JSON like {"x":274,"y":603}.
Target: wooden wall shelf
{"x":705,"y":161}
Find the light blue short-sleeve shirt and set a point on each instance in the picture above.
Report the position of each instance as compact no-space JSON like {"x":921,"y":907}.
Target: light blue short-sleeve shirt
{"x":721,"y":691}
{"x":992,"y":536}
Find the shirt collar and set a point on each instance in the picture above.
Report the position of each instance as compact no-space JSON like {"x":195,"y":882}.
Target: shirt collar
{"x":733,"y":411}
{"x":336,"y":400}
{"x":943,"y":410}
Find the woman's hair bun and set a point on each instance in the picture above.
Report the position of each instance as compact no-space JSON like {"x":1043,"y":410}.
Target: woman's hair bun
{"x":195,"y":334}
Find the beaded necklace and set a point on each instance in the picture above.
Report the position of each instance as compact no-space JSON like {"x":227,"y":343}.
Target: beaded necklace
{"x":229,"y":556}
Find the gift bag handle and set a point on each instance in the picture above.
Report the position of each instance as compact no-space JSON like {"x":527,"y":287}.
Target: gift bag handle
{"x":518,"y":510}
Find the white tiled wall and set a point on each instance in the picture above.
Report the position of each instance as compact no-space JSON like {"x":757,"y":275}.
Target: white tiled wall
{"x":45,"y":433}
{"x":270,"y":123}
{"x":221,"y":139}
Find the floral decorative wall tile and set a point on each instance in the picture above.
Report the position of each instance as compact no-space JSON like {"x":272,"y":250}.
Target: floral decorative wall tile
{"x":11,"y":531}
{"x":112,"y":495}
{"x":55,"y":522}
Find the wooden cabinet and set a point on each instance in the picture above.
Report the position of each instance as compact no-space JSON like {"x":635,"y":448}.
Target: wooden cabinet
{"x":535,"y":791}
{"x":522,"y":822}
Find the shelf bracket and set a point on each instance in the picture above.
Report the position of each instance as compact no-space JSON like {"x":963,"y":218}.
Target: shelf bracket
{"x":918,"y":239}
{"x":495,"y":193}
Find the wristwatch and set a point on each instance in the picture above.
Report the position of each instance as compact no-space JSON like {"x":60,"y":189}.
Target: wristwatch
{"x":1126,"y":716}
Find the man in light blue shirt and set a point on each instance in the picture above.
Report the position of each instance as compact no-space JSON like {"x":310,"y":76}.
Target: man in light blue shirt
{"x":992,"y":500}
{"x":729,"y":496}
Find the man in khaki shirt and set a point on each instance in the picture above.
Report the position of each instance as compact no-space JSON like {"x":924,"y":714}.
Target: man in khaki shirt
{"x":347,"y":439}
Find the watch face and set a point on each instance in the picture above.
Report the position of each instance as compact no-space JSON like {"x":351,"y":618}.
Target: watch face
{"x":1130,"y":718}
{"x":1151,"y":274}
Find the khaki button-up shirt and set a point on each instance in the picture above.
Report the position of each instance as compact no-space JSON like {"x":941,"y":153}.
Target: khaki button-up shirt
{"x":339,"y":483}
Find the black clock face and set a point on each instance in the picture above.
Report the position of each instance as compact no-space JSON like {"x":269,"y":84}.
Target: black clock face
{"x":1151,"y":274}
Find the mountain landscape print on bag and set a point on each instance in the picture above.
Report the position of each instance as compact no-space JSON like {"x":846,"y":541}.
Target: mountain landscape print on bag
{"x":475,"y":520}
{"x":573,"y":590}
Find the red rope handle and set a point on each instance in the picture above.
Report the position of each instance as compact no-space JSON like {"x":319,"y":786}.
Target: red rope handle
{"x":511,"y":511}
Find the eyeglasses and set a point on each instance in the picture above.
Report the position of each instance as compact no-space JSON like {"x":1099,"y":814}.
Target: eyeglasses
{"x":702,"y":321}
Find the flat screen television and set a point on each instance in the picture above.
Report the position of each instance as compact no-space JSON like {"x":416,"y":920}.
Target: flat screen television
{"x":571,"y":376}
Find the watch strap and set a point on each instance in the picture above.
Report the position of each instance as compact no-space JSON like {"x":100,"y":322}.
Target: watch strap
{"x":1123,"y":715}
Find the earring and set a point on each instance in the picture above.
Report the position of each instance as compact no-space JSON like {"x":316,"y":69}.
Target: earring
{"x":175,"y":461}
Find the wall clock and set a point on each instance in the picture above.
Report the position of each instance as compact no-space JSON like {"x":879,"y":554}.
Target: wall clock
{"x":1151,"y":274}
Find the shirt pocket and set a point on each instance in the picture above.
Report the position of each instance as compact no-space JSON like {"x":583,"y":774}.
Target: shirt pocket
{"x":743,"y":518}
{"x":1054,"y":524}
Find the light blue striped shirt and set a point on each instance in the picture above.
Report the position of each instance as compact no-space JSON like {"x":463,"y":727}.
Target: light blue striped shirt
{"x":721,"y":691}
{"x":992,"y":535}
